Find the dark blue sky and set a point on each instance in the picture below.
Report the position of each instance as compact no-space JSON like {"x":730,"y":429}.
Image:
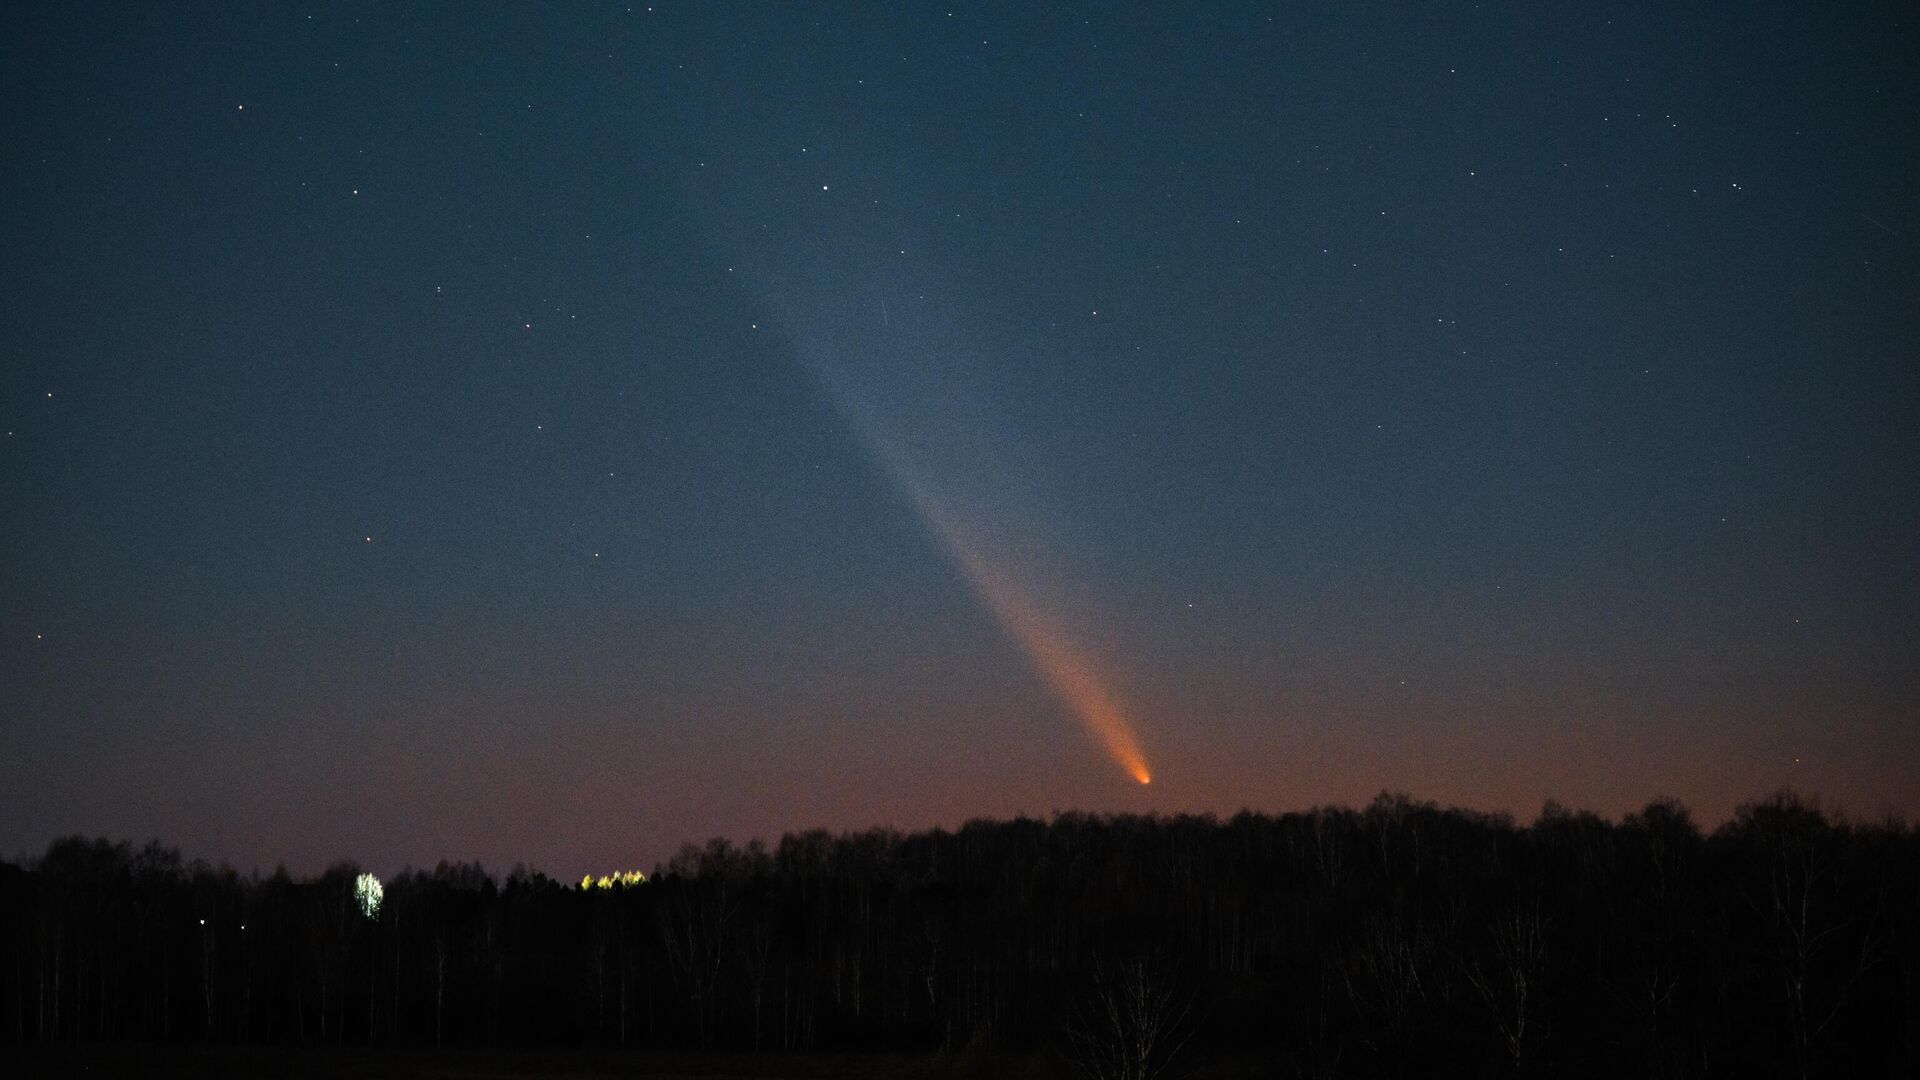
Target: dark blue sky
{"x":549,"y":434}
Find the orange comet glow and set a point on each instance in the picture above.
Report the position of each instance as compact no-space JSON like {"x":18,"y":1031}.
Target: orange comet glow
{"x":1053,"y":652}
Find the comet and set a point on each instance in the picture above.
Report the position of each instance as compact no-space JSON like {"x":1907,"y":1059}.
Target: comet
{"x":901,"y":384}
{"x":1068,"y":670}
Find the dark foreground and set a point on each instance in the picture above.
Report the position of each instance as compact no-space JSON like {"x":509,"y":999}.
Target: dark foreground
{"x":1401,"y":940}
{"x":270,"y":1063}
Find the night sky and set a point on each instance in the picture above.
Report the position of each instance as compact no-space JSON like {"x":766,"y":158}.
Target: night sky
{"x":549,"y":434}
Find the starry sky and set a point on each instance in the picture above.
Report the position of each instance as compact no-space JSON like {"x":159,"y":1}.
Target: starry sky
{"x":552,"y":433}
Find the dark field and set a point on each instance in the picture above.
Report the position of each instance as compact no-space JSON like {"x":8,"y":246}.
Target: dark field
{"x":277,"y":1063}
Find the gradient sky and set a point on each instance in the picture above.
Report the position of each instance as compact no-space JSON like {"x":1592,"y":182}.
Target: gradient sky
{"x":549,"y":434}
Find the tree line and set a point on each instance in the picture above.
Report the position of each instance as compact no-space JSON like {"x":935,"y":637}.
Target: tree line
{"x":1399,"y":940}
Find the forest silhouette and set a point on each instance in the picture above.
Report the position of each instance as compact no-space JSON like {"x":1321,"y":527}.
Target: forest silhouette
{"x":1403,"y":939}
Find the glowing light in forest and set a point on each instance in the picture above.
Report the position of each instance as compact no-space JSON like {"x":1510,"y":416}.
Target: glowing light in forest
{"x":368,"y":893}
{"x":620,"y":879}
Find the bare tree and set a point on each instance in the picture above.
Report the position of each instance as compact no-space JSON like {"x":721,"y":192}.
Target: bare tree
{"x":1131,"y":1023}
{"x":1508,"y":979}
{"x":696,"y":923}
{"x":1820,"y":945}
{"x":1386,"y":977}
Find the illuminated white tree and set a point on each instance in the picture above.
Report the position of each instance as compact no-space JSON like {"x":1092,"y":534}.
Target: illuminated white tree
{"x":368,"y":892}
